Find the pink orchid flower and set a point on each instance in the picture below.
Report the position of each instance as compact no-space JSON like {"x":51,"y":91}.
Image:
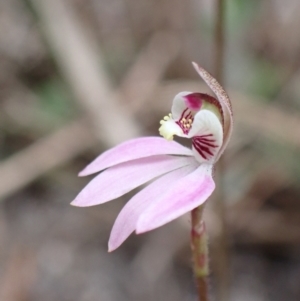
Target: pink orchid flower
{"x":181,"y":177}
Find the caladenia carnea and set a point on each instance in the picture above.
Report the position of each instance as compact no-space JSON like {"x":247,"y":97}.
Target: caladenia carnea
{"x":180,"y":179}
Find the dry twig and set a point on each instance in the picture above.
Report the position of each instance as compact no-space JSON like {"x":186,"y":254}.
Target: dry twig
{"x":100,"y":102}
{"x":45,"y":154}
{"x":149,"y":68}
{"x":82,"y":66}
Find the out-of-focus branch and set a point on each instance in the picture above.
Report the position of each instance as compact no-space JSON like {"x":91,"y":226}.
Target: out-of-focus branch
{"x":149,"y":68}
{"x":219,"y":43}
{"x":220,"y":246}
{"x":91,"y":88}
{"x":82,"y":67}
{"x":45,"y":154}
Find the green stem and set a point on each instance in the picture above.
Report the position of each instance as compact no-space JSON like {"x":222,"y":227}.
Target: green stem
{"x":219,"y":44}
{"x":220,"y":248}
{"x":200,"y":253}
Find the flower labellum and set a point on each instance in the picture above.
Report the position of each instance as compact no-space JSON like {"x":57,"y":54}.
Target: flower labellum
{"x":181,"y":178}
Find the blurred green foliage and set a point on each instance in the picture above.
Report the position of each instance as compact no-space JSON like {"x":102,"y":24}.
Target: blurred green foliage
{"x":55,"y":101}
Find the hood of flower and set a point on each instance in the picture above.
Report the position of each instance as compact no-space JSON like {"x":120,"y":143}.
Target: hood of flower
{"x":169,"y":127}
{"x":195,"y":116}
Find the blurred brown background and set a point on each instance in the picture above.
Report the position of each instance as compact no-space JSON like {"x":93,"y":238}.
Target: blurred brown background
{"x":79,"y":76}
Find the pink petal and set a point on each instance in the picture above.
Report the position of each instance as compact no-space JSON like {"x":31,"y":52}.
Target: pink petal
{"x":120,"y":179}
{"x":188,"y":193}
{"x":135,"y":149}
{"x":126,"y":221}
{"x":224,"y":102}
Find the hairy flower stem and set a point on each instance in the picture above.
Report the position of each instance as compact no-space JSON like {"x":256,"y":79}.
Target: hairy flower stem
{"x":200,"y":253}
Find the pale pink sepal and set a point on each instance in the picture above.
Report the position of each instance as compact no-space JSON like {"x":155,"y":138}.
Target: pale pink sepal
{"x":126,"y":221}
{"x":135,"y":149}
{"x":122,"y":178}
{"x":189,"y":193}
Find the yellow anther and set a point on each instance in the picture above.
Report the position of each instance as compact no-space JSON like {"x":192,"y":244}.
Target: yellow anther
{"x":166,"y":118}
{"x":183,"y":119}
{"x":190,"y":120}
{"x":188,"y":125}
{"x":162,"y":122}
